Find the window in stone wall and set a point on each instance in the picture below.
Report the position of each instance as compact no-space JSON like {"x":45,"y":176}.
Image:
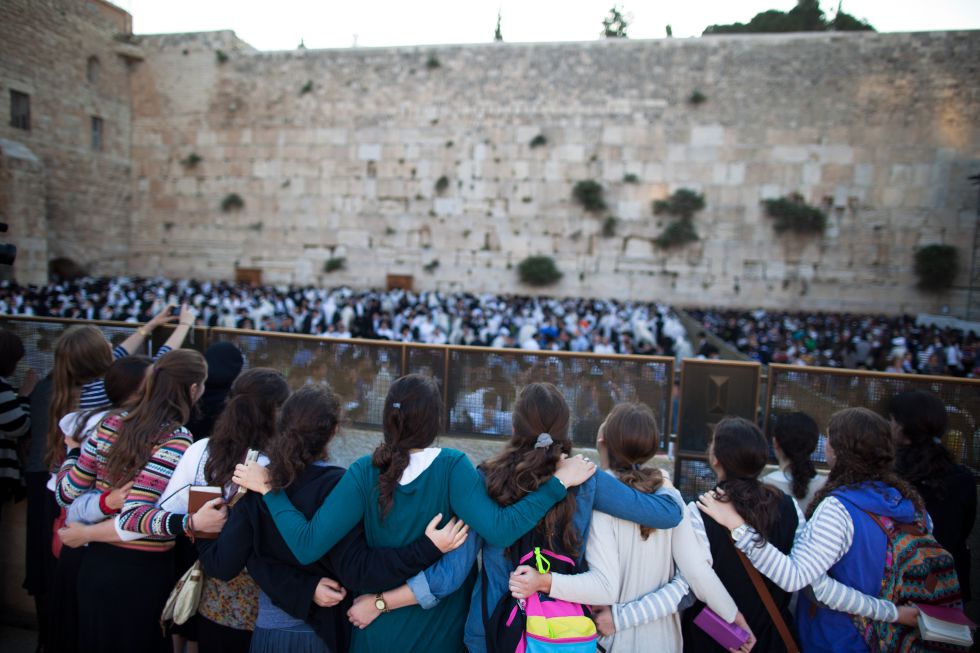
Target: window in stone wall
{"x":20,"y":110}
{"x":92,"y":70}
{"x":97,"y":130}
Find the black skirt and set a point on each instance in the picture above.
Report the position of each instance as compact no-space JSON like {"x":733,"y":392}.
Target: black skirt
{"x":121,"y":593}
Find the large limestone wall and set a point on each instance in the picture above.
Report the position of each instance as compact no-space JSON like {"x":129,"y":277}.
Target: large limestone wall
{"x":45,"y":46}
{"x":880,"y":128}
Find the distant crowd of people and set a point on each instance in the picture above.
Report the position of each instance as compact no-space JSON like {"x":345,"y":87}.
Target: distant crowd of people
{"x":412,"y":548}
{"x":872,"y":342}
{"x":503,"y":321}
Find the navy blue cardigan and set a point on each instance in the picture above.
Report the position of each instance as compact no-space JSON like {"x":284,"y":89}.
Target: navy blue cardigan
{"x":250,"y":538}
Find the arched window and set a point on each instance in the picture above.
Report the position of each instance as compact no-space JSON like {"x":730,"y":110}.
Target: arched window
{"x":92,"y":70}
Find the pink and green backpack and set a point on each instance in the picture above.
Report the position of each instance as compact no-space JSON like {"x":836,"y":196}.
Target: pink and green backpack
{"x":539,"y":624}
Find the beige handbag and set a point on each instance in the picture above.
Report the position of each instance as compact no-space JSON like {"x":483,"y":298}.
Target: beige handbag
{"x":184,"y":599}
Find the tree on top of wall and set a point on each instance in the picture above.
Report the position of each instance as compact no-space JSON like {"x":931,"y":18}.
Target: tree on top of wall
{"x":806,"y":16}
{"x":497,"y":34}
{"x":615,"y":24}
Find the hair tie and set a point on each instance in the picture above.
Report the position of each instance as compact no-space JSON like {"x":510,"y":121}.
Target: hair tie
{"x":544,"y":440}
{"x":637,"y":466}
{"x":396,"y":404}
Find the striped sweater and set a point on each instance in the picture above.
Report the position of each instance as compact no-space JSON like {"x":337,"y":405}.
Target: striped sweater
{"x":15,"y":422}
{"x":93,"y":393}
{"x":85,"y":469}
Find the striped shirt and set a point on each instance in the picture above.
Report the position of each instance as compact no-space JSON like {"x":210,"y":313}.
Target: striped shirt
{"x":15,"y":422}
{"x":829,"y":592}
{"x":818,"y":546}
{"x":85,"y":468}
{"x":93,"y":393}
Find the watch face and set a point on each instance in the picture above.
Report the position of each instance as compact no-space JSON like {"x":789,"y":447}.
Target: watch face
{"x":380,"y":604}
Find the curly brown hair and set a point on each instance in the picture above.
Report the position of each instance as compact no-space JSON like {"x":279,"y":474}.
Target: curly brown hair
{"x":742,"y":452}
{"x":307,"y":422}
{"x":629,"y":438}
{"x":248,"y":421}
{"x":412,"y":419}
{"x":862,"y":444}
{"x":521,"y":468}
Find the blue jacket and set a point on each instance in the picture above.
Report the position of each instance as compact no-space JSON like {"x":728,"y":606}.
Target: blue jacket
{"x":602,"y":492}
{"x":827,"y":631}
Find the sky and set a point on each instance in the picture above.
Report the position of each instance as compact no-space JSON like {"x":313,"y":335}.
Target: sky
{"x":281,"y":24}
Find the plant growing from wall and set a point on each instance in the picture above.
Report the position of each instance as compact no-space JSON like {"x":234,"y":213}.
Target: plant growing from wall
{"x":538,"y":141}
{"x":936,"y":266}
{"x":682,"y":204}
{"x":432,"y":62}
{"x":442,"y":183}
{"x":792,"y":213}
{"x":431,"y":266}
{"x":615,"y":24}
{"x":630,"y":178}
{"x":697,"y":97}
{"x":334,"y":263}
{"x":589,"y":194}
{"x":609,"y":226}
{"x":307,"y":88}
{"x":221,"y":56}
{"x":191,"y":160}
{"x":538,"y":271}
{"x":232,"y":202}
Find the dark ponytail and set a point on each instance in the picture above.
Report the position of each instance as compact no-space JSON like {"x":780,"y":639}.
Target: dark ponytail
{"x":921,"y":458}
{"x":307,"y":422}
{"x":797,"y":435}
{"x":412,"y":419}
{"x":742,"y":452}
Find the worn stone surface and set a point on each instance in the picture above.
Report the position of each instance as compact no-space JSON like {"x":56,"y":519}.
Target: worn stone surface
{"x":45,"y":46}
{"x":877,"y":128}
{"x":339,"y":153}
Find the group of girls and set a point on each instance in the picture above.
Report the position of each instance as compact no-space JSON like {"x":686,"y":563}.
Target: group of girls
{"x":383,"y":556}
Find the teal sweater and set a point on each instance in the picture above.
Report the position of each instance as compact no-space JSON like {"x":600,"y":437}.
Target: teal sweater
{"x":451,"y":486}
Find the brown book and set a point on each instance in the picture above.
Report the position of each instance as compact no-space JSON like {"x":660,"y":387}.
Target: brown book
{"x":197,"y":497}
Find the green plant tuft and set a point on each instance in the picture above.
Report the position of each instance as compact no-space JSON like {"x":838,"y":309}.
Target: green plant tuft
{"x":431,"y":266}
{"x":609,"y":226}
{"x":589,"y":194}
{"x":232,"y":202}
{"x":432,"y":62}
{"x":792,"y":213}
{"x":697,"y":97}
{"x":307,"y":88}
{"x":334,"y":263}
{"x":684,"y":203}
{"x":442,"y":184}
{"x":191,"y":160}
{"x":538,"y":141}
{"x":221,"y":56}
{"x":936,"y":266}
{"x":538,"y":271}
{"x":677,"y":233}
{"x":630,"y":178}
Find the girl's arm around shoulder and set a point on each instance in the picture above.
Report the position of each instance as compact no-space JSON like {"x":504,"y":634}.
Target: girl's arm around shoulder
{"x":662,"y":509}
{"x":139,"y":513}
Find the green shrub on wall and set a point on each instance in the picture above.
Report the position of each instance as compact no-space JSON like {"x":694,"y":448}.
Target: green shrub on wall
{"x":682,"y":204}
{"x":792,"y":213}
{"x":589,"y":194}
{"x":334,"y":263}
{"x":538,"y":271}
{"x":232,"y":202}
{"x":936,"y":266}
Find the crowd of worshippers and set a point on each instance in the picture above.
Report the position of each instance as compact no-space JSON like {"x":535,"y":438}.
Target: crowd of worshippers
{"x":413,"y":548}
{"x":580,"y":325}
{"x":872,"y":342}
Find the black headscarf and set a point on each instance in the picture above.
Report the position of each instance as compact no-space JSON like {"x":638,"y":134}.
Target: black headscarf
{"x":225,"y":363}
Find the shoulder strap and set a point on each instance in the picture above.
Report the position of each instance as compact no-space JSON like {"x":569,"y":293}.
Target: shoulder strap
{"x":774,"y":614}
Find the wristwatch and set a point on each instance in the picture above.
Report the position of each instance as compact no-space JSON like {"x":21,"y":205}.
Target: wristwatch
{"x":379,"y":602}
{"x":739,"y":531}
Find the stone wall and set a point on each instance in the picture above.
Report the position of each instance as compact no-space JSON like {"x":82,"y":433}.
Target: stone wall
{"x":22,"y":192}
{"x":45,"y":47}
{"x":338,"y":153}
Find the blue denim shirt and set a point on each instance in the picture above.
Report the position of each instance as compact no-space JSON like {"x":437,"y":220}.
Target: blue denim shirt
{"x":602,"y":492}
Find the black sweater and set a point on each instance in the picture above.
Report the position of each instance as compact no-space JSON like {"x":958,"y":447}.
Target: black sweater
{"x":251,"y":534}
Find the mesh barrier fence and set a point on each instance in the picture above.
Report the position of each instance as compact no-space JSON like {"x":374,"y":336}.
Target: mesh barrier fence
{"x":821,"y":392}
{"x":483,"y":385}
